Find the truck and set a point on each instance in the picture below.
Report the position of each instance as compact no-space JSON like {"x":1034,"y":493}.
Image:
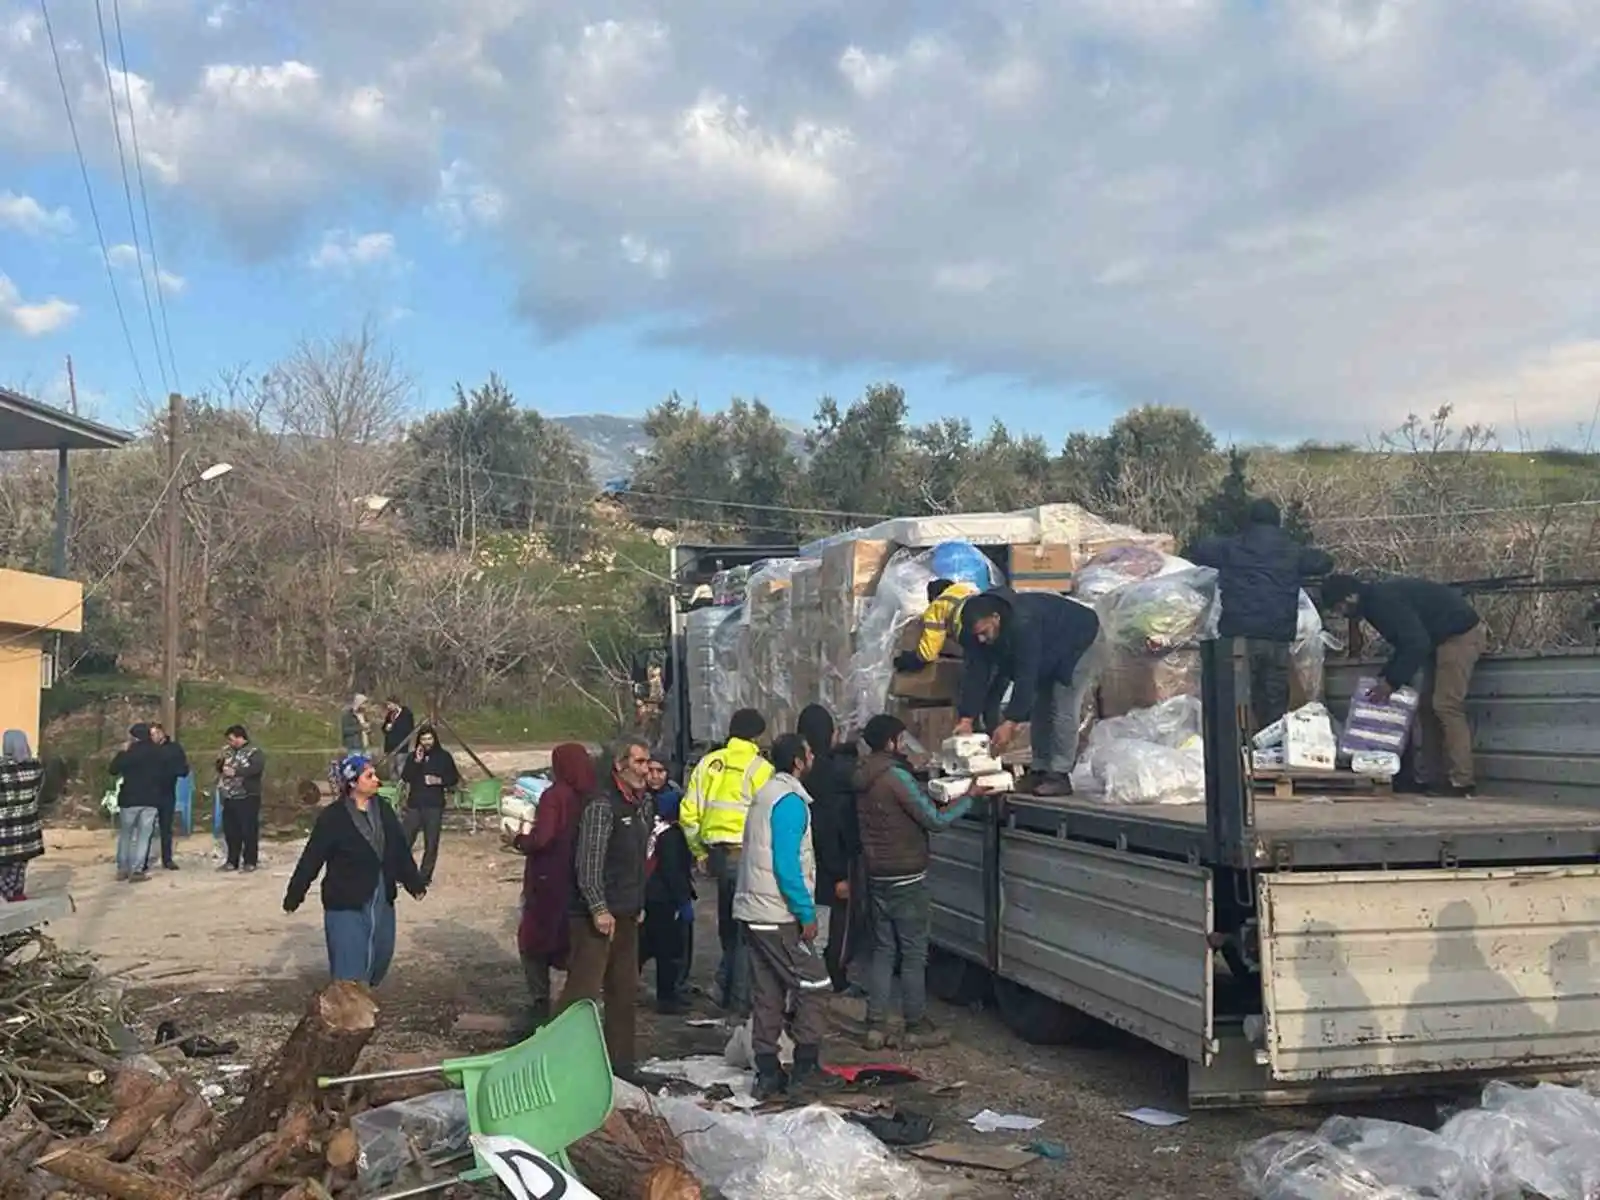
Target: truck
{"x":1287,"y":950}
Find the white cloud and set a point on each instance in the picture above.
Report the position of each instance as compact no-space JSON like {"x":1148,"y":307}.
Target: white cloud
{"x":32,"y":320}
{"x":26,"y":215}
{"x":126,"y":257}
{"x":343,"y":250}
{"x":1298,"y":219}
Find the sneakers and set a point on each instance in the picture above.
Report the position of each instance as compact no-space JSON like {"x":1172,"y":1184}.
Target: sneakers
{"x":924,"y":1035}
{"x":1053,"y":785}
{"x":771,"y":1080}
{"x":169,"y":866}
{"x":228,"y":867}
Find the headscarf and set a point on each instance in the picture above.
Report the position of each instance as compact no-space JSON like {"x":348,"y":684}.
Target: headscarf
{"x":573,"y":765}
{"x":370,"y":822}
{"x":15,"y":747}
{"x":815,"y":724}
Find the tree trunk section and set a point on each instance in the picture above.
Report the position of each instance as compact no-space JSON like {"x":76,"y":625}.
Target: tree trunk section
{"x":293,"y":1136}
{"x":23,"y":1138}
{"x":121,"y":1137}
{"x":330,"y":1037}
{"x":87,"y":1169}
{"x":617,"y":1171}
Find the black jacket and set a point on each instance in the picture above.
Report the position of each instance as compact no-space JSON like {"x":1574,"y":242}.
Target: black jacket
{"x":1414,"y":616}
{"x":146,"y":771}
{"x":349,"y":867}
{"x":672,"y":882}
{"x":177,"y":762}
{"x":438,"y":763}
{"x":397,"y":732}
{"x":1260,"y":571}
{"x":1042,"y":637}
{"x":835,"y":832}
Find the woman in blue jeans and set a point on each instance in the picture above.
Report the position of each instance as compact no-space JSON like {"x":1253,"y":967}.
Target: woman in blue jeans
{"x":360,"y":850}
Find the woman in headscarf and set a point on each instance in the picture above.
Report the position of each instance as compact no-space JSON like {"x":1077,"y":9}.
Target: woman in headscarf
{"x":21,"y":832}
{"x":359,"y":849}
{"x":543,"y":934}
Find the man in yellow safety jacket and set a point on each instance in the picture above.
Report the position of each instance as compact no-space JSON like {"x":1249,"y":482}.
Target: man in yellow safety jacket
{"x":941,"y":621}
{"x":712,"y":815}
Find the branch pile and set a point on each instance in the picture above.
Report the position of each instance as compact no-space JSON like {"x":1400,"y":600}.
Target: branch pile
{"x":286,"y":1140}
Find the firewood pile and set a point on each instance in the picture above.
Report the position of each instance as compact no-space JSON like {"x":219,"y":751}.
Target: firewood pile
{"x":78,"y":1121}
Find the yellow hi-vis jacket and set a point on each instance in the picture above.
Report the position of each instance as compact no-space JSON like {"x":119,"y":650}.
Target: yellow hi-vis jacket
{"x":718,"y":796}
{"x":942,"y":619}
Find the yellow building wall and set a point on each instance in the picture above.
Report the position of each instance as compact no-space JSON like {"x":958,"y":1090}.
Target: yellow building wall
{"x":32,"y":608}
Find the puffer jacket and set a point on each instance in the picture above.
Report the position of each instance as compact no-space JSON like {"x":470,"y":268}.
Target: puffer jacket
{"x":1260,"y":572}
{"x":1042,"y":637}
{"x":896,"y":817}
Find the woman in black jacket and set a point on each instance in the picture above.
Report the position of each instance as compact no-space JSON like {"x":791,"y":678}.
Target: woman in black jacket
{"x":359,"y":848}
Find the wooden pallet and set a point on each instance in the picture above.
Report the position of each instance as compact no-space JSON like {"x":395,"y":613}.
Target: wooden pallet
{"x":1289,"y":783}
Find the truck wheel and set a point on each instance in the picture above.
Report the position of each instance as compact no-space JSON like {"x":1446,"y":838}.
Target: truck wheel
{"x":954,"y":980}
{"x":1036,"y":1019}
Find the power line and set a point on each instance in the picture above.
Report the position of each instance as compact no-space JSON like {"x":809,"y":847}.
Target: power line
{"x":127,"y":192}
{"x":144,"y":196}
{"x":88,"y":189}
{"x":1457,"y":513}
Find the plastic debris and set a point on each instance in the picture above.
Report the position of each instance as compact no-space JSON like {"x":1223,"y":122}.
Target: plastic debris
{"x":989,"y":1121}
{"x":434,"y":1127}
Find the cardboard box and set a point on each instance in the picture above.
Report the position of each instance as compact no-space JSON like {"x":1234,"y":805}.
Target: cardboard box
{"x":1140,"y":681}
{"x":852,"y":568}
{"x":930,"y":724}
{"x":1043,"y":568}
{"x":1308,"y":741}
{"x":911,"y":634}
{"x":940,"y":680}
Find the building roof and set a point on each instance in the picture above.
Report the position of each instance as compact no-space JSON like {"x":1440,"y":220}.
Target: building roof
{"x":28,"y":425}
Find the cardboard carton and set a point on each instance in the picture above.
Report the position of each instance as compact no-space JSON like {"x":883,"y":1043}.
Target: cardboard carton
{"x":1043,"y":568}
{"x":939,"y":680}
{"x":1139,"y":681}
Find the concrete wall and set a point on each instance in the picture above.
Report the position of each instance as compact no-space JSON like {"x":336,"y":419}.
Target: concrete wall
{"x":32,"y":608}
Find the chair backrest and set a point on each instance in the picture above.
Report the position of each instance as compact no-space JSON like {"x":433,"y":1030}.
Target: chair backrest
{"x":483,"y":795}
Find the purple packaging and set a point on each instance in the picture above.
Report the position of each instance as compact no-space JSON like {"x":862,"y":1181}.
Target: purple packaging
{"x":1374,"y":726}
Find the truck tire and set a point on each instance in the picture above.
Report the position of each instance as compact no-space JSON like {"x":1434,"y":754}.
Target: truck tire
{"x":1036,"y":1019}
{"x":954,"y":980}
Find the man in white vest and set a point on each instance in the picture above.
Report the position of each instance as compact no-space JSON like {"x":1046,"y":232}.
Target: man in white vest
{"x":775,"y":903}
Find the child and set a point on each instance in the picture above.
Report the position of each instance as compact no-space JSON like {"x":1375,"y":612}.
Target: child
{"x":669,"y":897}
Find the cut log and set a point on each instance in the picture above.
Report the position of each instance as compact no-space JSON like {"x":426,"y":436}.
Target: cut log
{"x":329,"y":1038}
{"x":81,"y":1166}
{"x":293,"y":1136}
{"x":121,"y":1137}
{"x":378,"y":1092}
{"x":652,"y":1133}
{"x":617,"y":1171}
{"x":178,"y":1147}
{"x":23,"y":1138}
{"x":130,"y":1086}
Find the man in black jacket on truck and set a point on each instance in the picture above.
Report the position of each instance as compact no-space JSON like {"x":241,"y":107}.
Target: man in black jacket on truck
{"x":1430,"y":627}
{"x":1034,"y":641}
{"x":1259,"y":572}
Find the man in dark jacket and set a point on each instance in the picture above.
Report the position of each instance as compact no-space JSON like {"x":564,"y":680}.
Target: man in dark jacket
{"x":896,"y":818}
{"x":240,"y":767}
{"x":145,"y":772}
{"x":1434,"y":632}
{"x":430,"y":773}
{"x":668,"y":895}
{"x":1260,"y":572}
{"x":398,"y":724}
{"x":166,"y":810}
{"x":612,"y":862}
{"x":835,"y":838}
{"x":1035,"y":641}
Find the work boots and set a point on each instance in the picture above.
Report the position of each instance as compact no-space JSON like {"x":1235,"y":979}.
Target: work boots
{"x":1053,"y":783}
{"x":809,"y":1078}
{"x":771,"y":1079}
{"x":925,"y":1035}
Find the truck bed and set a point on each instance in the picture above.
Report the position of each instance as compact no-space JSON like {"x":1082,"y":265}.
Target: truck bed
{"x":1400,"y":830}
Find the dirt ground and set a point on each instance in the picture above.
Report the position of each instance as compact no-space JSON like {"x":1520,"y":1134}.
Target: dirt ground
{"x":216,"y":953}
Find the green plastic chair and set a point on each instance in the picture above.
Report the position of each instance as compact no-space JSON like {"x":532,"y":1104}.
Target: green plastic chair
{"x":391,"y":793}
{"x":479,"y":797}
{"x":548,"y":1090}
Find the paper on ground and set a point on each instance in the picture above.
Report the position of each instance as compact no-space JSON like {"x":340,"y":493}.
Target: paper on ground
{"x":989,"y":1121}
{"x":1159,"y":1117}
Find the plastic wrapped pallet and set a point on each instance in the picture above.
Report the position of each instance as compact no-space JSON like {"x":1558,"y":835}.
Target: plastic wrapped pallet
{"x":1149,"y":756}
{"x":703,"y":672}
{"x":766,"y":673}
{"x":726,"y":695}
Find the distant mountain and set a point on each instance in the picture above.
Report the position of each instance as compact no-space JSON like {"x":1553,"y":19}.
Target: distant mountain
{"x":615,"y":443}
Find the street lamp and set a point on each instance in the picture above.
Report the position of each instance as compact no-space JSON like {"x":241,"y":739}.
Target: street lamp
{"x":172,"y":616}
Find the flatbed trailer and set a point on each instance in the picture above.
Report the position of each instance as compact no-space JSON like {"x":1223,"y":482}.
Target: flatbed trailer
{"x":1304,"y":949}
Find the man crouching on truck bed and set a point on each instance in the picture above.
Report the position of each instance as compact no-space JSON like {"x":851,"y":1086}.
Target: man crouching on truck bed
{"x":896,"y":817}
{"x":1431,"y":628}
{"x":1036,"y":642}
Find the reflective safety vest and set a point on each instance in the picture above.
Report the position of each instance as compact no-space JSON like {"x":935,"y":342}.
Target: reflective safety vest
{"x":942,"y":619}
{"x":719,"y":793}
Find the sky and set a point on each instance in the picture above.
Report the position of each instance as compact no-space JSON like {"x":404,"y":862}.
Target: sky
{"x":1299,"y":218}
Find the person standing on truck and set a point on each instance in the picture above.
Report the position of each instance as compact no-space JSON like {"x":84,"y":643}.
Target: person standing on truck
{"x":941,"y":622}
{"x":1259,"y":572}
{"x":1433,"y":631}
{"x":1038,"y":642}
{"x":775,"y":903}
{"x":715,"y":802}
{"x":896,"y":818}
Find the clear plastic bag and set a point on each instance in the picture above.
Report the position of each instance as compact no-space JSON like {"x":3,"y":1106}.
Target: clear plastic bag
{"x":726,"y":690}
{"x":1412,"y":1158}
{"x":1310,"y":649}
{"x":1148,"y":756}
{"x":1559,"y":1141}
{"x":391,"y":1138}
{"x":704,"y":679}
{"x":805,"y":1154}
{"x":767,"y":646}
{"x":1167,"y":612}
{"x":1173,"y":722}
{"x":1303,"y":1166}
{"x":1384,"y":727}
{"x":1119,"y":566}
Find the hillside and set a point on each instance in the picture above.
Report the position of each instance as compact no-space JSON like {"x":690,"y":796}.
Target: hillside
{"x":613,"y":444}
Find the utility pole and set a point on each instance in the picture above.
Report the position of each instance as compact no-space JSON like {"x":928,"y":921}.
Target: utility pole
{"x":171,"y":615}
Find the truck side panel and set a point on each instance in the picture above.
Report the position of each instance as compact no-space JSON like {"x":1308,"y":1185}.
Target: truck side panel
{"x":1397,"y":973}
{"x":1118,"y":936}
{"x":957,"y":886}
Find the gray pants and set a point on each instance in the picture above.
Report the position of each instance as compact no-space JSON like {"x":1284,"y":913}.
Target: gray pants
{"x":1057,"y":712}
{"x":429,"y":822}
{"x":1269,"y":680}
{"x":899,"y":933}
{"x":783,"y":966}
{"x":135,"y":828}
{"x":733,"y":969}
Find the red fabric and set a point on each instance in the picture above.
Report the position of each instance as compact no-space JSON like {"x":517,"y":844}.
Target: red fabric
{"x":547,"y":874}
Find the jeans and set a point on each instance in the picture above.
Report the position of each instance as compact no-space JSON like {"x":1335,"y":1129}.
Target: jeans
{"x":135,"y":828}
{"x":900,"y":916}
{"x":361,"y":940}
{"x":733,"y":971}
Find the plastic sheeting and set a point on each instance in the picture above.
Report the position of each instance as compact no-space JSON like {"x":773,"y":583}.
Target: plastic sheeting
{"x":1150,"y":756}
{"x":391,"y":1138}
{"x":1175,"y":610}
{"x":1539,"y":1141}
{"x":1310,"y":650}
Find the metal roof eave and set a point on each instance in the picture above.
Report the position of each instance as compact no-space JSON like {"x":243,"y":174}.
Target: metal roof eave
{"x":26,"y":424}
